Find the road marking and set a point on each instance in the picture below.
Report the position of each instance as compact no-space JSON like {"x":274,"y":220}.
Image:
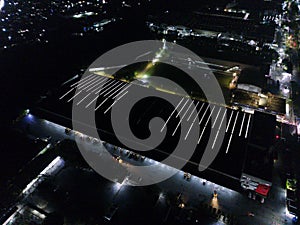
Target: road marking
{"x":83,"y":98}
{"x":102,"y":79}
{"x":182,"y":118}
{"x":242,"y":125}
{"x":115,"y":102}
{"x":182,"y":108}
{"x":193,"y":121}
{"x":246,"y":135}
{"x":206,"y":124}
{"x":203,"y":115}
{"x":171,"y":115}
{"x":229,"y":142}
{"x":66,"y":94}
{"x":216,"y":118}
{"x":219,"y":128}
{"x":74,"y":96}
{"x":82,"y":80}
{"x":91,"y":102}
{"x":229,"y":121}
{"x":193,"y":111}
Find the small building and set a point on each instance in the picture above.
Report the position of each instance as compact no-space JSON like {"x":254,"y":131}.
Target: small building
{"x":258,"y":162}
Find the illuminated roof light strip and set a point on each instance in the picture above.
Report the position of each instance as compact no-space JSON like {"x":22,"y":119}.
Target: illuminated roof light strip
{"x":111,"y":86}
{"x":203,"y":115}
{"x":241,"y":129}
{"x":96,"y":84}
{"x":182,"y":108}
{"x":229,"y":121}
{"x":193,"y":122}
{"x":193,"y":111}
{"x":206,"y":123}
{"x":216,"y":118}
{"x":124,"y":89}
{"x":171,"y":115}
{"x":106,"y":86}
{"x":219,"y":128}
{"x":182,"y":118}
{"x":246,"y":135}
{"x":66,"y":94}
{"x":82,"y":80}
{"x":115,"y":102}
{"x":83,"y":98}
{"x":229,"y":142}
{"x":74,"y":96}
{"x":80,"y":85}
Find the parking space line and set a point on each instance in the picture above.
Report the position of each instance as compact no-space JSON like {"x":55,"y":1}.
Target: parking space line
{"x":115,"y":102}
{"x":229,"y":121}
{"x":66,"y":94}
{"x":246,"y":135}
{"x":193,"y":121}
{"x":241,"y":129}
{"x":194,"y":110}
{"x":182,"y":118}
{"x":83,"y":98}
{"x":171,"y":115}
{"x":82,"y":80}
{"x":206,"y":124}
{"x":182,"y":108}
{"x":74,"y":96}
{"x":229,"y":142}
{"x":219,"y":128}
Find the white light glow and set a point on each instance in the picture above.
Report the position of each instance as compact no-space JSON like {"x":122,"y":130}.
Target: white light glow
{"x":1,"y":4}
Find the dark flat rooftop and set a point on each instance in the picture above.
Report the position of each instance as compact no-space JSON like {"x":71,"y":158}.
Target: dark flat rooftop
{"x":229,"y":161}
